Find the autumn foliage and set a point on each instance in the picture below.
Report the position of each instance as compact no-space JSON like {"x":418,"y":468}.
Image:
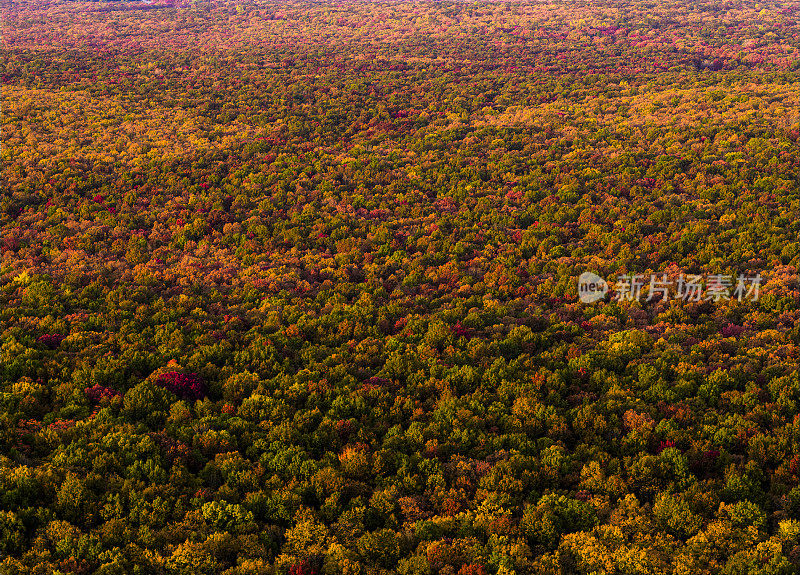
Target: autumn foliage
{"x":291,"y":287}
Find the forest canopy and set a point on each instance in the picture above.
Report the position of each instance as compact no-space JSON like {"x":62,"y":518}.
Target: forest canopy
{"x":291,"y":287}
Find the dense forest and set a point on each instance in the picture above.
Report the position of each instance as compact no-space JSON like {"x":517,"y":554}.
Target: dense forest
{"x":290,"y":287}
